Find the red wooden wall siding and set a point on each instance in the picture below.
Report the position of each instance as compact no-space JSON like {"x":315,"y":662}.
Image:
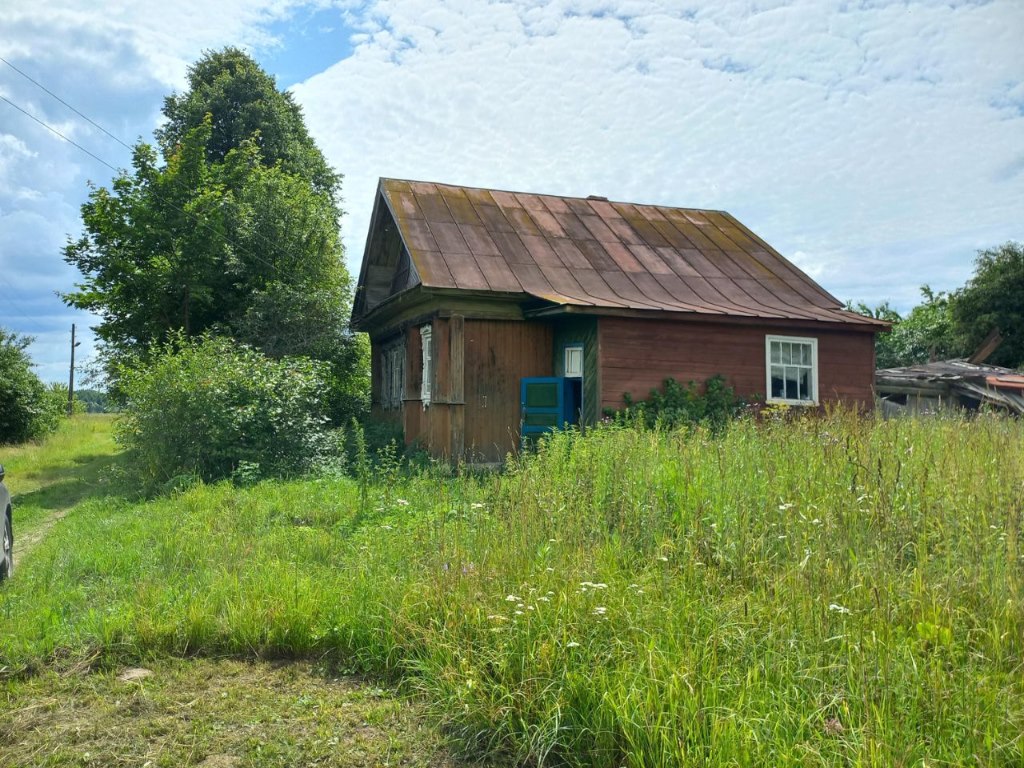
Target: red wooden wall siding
{"x":637,"y":355}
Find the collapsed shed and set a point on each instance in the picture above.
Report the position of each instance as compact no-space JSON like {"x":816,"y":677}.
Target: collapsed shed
{"x":934,"y":386}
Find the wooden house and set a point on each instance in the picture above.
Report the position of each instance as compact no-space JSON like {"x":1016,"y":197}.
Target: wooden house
{"x":491,"y":313}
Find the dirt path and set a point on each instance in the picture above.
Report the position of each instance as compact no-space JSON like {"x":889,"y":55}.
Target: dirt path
{"x":25,"y":542}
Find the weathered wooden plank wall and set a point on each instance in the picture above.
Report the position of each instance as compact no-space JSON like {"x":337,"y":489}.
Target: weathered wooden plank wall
{"x":636,"y":355}
{"x":498,"y":353}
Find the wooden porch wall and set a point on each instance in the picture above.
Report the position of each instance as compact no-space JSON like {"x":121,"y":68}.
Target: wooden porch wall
{"x":580,"y":330}
{"x":474,"y":408}
{"x":498,"y":353}
{"x":636,"y":355}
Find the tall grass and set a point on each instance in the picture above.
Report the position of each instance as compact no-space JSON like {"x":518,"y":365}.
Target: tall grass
{"x":818,"y":592}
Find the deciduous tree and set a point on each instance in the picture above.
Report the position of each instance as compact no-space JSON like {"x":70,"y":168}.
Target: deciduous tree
{"x":231,"y":229}
{"x":993,"y":298}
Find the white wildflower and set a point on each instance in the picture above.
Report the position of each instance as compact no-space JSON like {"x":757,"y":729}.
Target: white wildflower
{"x":512,"y":599}
{"x":572,"y":644}
{"x":600,"y":610}
{"x":402,"y":502}
{"x":838,"y":608}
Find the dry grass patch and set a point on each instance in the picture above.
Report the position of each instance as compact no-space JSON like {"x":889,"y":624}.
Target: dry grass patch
{"x":210,"y":713}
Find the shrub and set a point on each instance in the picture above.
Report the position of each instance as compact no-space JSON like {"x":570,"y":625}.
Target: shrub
{"x":676,"y":405}
{"x":28,"y":409}
{"x":213,"y":408}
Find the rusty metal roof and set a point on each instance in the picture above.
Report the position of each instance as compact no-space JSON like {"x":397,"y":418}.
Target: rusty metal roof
{"x":589,"y":252}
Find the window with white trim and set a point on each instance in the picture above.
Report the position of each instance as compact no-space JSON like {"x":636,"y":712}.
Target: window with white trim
{"x":392,"y":375}
{"x":426,"y":333}
{"x":791,"y":364}
{"x":573,"y":362}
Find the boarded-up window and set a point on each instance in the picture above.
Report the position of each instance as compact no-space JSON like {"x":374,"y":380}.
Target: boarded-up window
{"x":428,"y":364}
{"x":792,"y":368}
{"x":392,"y":375}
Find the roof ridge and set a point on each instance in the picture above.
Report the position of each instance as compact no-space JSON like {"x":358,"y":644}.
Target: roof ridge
{"x":591,"y":197}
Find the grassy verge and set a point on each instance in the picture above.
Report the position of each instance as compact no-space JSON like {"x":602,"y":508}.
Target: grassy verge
{"x":824,"y":592}
{"x":65,"y":469}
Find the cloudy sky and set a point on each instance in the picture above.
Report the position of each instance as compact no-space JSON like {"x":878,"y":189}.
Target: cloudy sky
{"x":877,"y":144}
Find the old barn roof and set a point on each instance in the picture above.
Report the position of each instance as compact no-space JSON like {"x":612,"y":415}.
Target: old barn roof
{"x":582,"y":252}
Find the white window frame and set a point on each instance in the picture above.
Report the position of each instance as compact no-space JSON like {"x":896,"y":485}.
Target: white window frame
{"x":392,"y":375}
{"x":813,"y":367}
{"x":426,"y":337}
{"x":566,"y":370}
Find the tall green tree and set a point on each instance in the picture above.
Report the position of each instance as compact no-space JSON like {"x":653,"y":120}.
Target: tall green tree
{"x":245,"y":104}
{"x":222,"y":232}
{"x":993,"y":298}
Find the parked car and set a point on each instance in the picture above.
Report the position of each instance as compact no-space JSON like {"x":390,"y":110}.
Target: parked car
{"x":7,"y":556}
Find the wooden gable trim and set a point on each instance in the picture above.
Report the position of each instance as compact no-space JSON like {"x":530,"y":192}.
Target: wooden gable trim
{"x":405,"y":266}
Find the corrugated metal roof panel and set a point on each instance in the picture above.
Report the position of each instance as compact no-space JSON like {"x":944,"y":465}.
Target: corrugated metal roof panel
{"x":595,"y":253}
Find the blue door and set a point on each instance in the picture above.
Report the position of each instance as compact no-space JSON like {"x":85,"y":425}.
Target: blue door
{"x":543,"y":405}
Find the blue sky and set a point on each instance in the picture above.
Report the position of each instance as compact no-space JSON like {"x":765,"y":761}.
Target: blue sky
{"x":878,"y":145}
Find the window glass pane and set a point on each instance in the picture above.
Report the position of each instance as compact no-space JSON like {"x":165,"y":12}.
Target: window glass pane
{"x":791,"y":384}
{"x":535,"y":419}
{"x":573,"y":362}
{"x":805,"y":354}
{"x":542,"y":395}
{"x":805,"y":384}
{"x":776,"y":352}
{"x":777,"y":376}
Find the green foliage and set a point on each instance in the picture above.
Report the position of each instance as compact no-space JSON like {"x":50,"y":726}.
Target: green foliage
{"x":235,"y":233}
{"x":245,"y":104}
{"x":28,"y":408}
{"x":926,"y":333}
{"x":211,"y":408}
{"x":675,"y":405}
{"x":993,"y":298}
{"x":948,"y":325}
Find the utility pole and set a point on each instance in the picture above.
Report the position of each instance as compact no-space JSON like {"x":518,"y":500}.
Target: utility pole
{"x":71,"y":373}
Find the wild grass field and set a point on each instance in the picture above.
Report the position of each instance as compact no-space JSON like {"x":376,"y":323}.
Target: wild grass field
{"x":825,"y":591}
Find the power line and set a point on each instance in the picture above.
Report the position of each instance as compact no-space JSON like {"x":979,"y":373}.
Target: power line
{"x":201,"y":222}
{"x":178,"y":182}
{"x":50,"y":128}
{"x":58,"y":98}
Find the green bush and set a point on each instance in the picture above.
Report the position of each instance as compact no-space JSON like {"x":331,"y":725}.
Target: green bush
{"x":712,"y":405}
{"x":213,"y":409}
{"x":28,"y":409}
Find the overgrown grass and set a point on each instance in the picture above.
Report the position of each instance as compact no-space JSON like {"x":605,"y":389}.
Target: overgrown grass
{"x":823,"y":592}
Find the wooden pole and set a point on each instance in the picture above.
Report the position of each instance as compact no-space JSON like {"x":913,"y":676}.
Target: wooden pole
{"x":71,"y":375}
